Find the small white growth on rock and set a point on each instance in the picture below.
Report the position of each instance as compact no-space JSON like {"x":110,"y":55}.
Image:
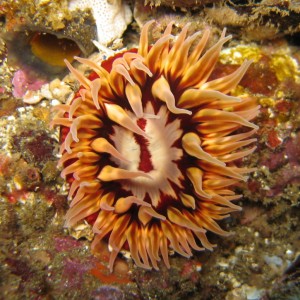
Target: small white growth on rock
{"x":111,"y":19}
{"x":32,"y":97}
{"x":273,"y":260}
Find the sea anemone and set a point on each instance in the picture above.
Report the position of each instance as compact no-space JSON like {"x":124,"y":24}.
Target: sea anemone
{"x":150,"y":144}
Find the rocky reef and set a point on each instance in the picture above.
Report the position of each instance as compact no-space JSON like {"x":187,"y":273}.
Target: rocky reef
{"x":41,"y":259}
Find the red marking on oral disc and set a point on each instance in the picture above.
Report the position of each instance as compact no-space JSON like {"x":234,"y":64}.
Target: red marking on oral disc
{"x":145,"y":164}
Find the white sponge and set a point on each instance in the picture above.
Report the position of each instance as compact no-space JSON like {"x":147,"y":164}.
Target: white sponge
{"x":111,"y":19}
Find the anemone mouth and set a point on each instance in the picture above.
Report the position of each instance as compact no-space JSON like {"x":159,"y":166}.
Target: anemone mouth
{"x":155,"y":156}
{"x":151,"y":146}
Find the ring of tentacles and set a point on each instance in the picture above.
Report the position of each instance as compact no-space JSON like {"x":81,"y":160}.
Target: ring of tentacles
{"x":151,"y":144}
